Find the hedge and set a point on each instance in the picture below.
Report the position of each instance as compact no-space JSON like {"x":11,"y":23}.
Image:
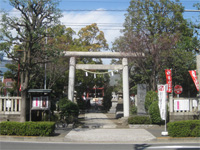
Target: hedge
{"x":187,"y":128}
{"x":27,"y":128}
{"x":155,"y":113}
{"x":139,"y":120}
{"x":133,"y":110}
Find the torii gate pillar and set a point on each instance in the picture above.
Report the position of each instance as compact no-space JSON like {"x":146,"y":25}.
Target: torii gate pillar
{"x":71,"y":82}
{"x":126,"y":100}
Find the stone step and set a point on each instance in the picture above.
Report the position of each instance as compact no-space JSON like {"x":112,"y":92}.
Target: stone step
{"x":99,"y":126}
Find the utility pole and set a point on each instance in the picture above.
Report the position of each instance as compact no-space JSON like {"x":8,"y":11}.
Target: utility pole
{"x":45,"y":66}
{"x":198,"y":67}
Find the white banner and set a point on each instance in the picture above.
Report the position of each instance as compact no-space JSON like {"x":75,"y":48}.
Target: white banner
{"x":162,"y":98}
{"x":8,"y":103}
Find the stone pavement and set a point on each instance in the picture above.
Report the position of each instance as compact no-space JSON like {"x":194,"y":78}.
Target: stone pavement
{"x":99,"y":128}
{"x":98,"y":120}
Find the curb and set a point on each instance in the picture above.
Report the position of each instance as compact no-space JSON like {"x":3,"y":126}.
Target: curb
{"x":144,"y":126}
{"x":31,"y":139}
{"x":6,"y":138}
{"x":178,"y":139}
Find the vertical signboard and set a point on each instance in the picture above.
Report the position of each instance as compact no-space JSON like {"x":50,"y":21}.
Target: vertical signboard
{"x":162,"y":98}
{"x":168,"y":74}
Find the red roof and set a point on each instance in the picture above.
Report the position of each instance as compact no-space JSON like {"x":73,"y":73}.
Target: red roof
{"x":8,"y":82}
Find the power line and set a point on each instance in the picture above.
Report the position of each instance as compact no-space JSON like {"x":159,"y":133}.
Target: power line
{"x":96,"y":1}
{"x":101,"y":28}
{"x":92,"y":1}
{"x":100,"y":10}
{"x":114,"y":1}
{"x":119,"y":10}
{"x":98,"y":25}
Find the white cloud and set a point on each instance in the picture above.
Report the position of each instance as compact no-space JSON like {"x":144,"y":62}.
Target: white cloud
{"x":105,"y":21}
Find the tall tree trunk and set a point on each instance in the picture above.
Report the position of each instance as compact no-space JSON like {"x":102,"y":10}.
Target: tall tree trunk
{"x":23,"y":106}
{"x":24,"y":85}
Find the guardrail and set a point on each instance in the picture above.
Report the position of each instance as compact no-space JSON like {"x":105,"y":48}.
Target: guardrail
{"x":183,"y":108}
{"x":183,"y":104}
{"x":10,"y":105}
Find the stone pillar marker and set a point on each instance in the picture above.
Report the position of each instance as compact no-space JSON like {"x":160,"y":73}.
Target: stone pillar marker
{"x":171,"y":103}
{"x":72,"y":67}
{"x":126,"y":99}
{"x":141,"y":94}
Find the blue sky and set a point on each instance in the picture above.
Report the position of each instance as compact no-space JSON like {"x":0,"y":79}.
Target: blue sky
{"x":110,"y":22}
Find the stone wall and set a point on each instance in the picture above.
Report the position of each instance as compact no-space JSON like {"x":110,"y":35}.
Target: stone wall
{"x":183,"y":116}
{"x":189,"y":112}
{"x":9,"y":117}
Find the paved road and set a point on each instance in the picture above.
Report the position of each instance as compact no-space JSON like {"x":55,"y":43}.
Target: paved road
{"x":68,"y":146}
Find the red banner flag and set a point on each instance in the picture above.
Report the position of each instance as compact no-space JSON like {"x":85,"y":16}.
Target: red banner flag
{"x":194,"y":78}
{"x":168,"y":74}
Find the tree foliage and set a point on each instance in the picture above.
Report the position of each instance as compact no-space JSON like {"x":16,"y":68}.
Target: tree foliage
{"x":155,"y":113}
{"x":149,"y":99}
{"x":158,"y":30}
{"x":38,"y":43}
{"x":30,"y":27}
{"x":92,"y":38}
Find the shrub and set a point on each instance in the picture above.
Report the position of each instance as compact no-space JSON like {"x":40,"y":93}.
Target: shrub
{"x":69,"y":110}
{"x":27,"y":128}
{"x":139,"y":120}
{"x":133,"y":110}
{"x":155,"y":113}
{"x":151,"y":96}
{"x":81,"y":103}
{"x":186,"y":128}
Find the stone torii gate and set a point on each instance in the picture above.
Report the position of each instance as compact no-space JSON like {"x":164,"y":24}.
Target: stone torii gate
{"x":124,"y":66}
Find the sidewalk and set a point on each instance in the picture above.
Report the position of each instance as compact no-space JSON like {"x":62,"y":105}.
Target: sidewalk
{"x":99,"y":128}
{"x":104,"y":128}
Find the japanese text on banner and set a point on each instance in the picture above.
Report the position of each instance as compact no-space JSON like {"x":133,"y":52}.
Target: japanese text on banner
{"x":194,"y":78}
{"x":168,"y":74}
{"x":162,"y":98}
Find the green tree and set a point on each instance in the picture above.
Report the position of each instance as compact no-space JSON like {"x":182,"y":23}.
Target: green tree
{"x":155,"y":113}
{"x":92,"y":38}
{"x":35,"y":17}
{"x":157,"y":29}
{"x":65,"y":39}
{"x":149,"y":99}
{"x":68,"y":110}
{"x":13,"y":74}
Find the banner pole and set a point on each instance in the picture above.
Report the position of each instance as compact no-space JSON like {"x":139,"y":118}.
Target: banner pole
{"x":165,"y":133}
{"x":166,"y":116}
